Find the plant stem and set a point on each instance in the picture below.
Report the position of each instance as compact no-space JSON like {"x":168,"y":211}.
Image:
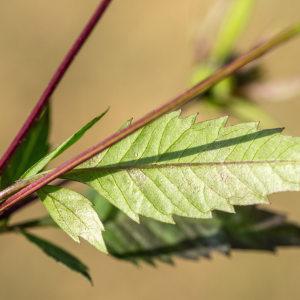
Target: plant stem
{"x":183,"y":98}
{"x":27,"y":201}
{"x":18,"y":185}
{"x":53,"y":83}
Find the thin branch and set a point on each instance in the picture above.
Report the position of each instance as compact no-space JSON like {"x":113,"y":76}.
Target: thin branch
{"x":55,"y":80}
{"x":18,"y":185}
{"x":150,"y":161}
{"x":28,"y":200}
{"x":183,"y":98}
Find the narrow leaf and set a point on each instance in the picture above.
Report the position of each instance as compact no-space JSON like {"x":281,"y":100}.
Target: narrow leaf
{"x":176,"y":167}
{"x":32,"y":149}
{"x":250,"y":228}
{"x":36,"y":168}
{"x":74,"y":214}
{"x":59,"y":254}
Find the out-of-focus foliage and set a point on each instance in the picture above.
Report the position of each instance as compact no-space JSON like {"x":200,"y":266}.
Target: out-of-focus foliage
{"x":249,"y":228}
{"x":240,"y":94}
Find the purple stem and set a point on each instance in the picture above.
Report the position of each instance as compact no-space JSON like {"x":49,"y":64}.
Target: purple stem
{"x":55,"y":80}
{"x":181,"y":99}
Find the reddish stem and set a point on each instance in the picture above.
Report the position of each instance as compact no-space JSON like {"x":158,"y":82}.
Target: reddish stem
{"x":183,"y":98}
{"x":28,"y":201}
{"x":55,"y":80}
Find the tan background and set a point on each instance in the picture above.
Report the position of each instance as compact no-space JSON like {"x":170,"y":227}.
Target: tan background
{"x":140,"y":55}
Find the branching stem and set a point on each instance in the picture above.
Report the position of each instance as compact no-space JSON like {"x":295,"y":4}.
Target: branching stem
{"x":178,"y":101}
{"x":53,"y":83}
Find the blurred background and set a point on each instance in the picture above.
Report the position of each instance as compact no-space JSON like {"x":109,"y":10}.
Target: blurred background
{"x":141,"y":54}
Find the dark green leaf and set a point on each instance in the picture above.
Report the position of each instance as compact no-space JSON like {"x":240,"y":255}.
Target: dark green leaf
{"x":32,"y":149}
{"x":59,"y":255}
{"x":249,"y":228}
{"x":37,"y":167}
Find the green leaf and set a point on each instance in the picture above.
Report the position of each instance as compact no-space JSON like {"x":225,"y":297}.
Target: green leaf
{"x":150,"y":241}
{"x":176,"y":167}
{"x":32,"y":149}
{"x":36,"y":168}
{"x":74,"y":214}
{"x":59,"y":255}
{"x":259,"y":229}
{"x":232,"y":27}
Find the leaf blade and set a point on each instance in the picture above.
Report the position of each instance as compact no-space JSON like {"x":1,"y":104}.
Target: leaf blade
{"x":38,"y":166}
{"x":175,"y":166}
{"x":59,"y":254}
{"x":33,"y":148}
{"x":74,"y":214}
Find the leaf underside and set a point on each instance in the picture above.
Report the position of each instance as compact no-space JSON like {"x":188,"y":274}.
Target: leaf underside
{"x":74,"y":214}
{"x":175,"y":166}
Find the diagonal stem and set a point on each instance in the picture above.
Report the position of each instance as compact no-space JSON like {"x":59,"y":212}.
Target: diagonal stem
{"x":183,"y":98}
{"x":53,"y":83}
{"x":28,"y":200}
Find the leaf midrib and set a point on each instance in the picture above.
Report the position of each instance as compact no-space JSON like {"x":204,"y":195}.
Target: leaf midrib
{"x":112,"y":168}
